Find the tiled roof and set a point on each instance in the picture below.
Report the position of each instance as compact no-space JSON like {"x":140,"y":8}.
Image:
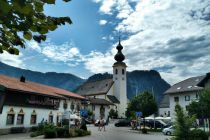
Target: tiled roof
{"x":98,"y":101}
{"x":190,"y":84}
{"x":113,"y":99}
{"x":95,"y":88}
{"x":31,"y":87}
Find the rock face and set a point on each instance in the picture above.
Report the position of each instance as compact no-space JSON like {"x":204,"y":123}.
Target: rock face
{"x":137,"y":81}
{"x":60,"y":80}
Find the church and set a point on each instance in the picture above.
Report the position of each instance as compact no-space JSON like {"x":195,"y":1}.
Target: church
{"x":108,"y":94}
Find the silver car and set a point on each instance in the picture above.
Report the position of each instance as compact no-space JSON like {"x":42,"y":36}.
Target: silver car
{"x":168,"y":130}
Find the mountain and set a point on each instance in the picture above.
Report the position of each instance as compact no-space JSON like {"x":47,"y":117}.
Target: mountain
{"x":60,"y":80}
{"x":139,"y":81}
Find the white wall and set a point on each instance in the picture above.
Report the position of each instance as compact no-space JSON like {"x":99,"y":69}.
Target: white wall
{"x":164,"y":112}
{"x":40,"y":112}
{"x":181,"y":102}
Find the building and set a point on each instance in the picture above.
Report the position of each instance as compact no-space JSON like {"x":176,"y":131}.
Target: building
{"x":25,"y":104}
{"x":184,"y":92}
{"x":108,"y":93}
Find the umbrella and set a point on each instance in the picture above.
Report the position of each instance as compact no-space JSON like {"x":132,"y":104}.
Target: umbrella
{"x":149,"y":118}
{"x":167,"y":118}
{"x":159,"y":118}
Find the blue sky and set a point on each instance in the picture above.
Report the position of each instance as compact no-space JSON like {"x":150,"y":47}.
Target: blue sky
{"x":170,"y":36}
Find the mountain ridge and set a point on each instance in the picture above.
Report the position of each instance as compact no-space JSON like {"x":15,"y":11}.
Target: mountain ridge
{"x":137,"y":81}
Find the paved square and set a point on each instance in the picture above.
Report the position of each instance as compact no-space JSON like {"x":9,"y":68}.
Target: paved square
{"x":111,"y":133}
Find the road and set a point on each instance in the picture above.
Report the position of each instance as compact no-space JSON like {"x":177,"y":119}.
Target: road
{"x":111,"y":133}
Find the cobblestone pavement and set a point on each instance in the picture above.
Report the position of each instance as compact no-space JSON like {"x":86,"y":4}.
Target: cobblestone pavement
{"x":111,"y":133}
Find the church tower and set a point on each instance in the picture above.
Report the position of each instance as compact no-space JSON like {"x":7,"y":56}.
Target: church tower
{"x":120,"y":81}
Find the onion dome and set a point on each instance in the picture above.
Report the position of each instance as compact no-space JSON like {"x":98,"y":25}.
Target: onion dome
{"x":119,"y":57}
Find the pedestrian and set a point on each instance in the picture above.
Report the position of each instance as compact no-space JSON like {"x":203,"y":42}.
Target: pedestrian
{"x":99,"y":125}
{"x":102,"y":123}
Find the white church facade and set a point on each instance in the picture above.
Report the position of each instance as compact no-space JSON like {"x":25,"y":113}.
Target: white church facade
{"x":108,"y":93}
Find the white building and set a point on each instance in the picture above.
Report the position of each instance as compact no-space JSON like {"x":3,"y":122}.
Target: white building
{"x":184,"y":92}
{"x":25,"y":104}
{"x":112,"y":91}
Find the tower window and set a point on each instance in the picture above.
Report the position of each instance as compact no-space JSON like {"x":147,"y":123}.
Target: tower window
{"x":123,"y":71}
{"x":116,"y":71}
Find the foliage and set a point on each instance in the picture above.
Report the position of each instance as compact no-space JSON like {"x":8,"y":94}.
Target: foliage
{"x":113,"y":113}
{"x":144,"y":103}
{"x":90,"y":113}
{"x":201,"y":108}
{"x":144,"y":131}
{"x":198,"y":134}
{"x":183,"y":123}
{"x":62,"y":132}
{"x":34,"y":128}
{"x":50,"y":133}
{"x":22,"y":20}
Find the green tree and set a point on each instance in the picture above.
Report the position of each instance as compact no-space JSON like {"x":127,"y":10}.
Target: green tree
{"x":22,"y":20}
{"x":113,"y":113}
{"x":145,"y":103}
{"x":201,"y":107}
{"x":183,"y":123}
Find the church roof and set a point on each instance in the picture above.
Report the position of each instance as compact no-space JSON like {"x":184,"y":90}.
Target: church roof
{"x":95,"y":88}
{"x":98,"y":101}
{"x":113,"y":99}
{"x":119,"y":57}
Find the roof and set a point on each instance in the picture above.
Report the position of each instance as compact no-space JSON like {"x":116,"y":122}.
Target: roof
{"x":98,"y":101}
{"x":95,"y":88}
{"x":31,"y":87}
{"x":204,"y":80}
{"x":165,"y":102}
{"x":190,"y":84}
{"x":113,"y":99}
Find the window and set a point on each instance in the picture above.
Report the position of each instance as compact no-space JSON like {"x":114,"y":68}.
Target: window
{"x":33,"y":119}
{"x":50,"y":118}
{"x":116,"y":71}
{"x":168,"y":113}
{"x":20,"y":118}
{"x":123,"y":71}
{"x":93,"y":107}
{"x":176,"y":99}
{"x":187,"y":98}
{"x":72,"y":106}
{"x":196,"y":96}
{"x":10,"y":119}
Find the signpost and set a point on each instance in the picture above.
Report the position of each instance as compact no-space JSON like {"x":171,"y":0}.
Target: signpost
{"x":138,"y":116}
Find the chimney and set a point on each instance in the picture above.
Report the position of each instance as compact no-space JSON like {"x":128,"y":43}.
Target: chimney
{"x":22,"y":79}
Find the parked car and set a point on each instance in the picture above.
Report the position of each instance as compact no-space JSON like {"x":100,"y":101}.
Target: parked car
{"x":155,"y":123}
{"x":168,"y":130}
{"x":123,"y":122}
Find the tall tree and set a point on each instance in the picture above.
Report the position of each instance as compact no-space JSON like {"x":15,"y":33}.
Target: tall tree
{"x":22,"y":20}
{"x":145,"y":103}
{"x":201,"y":107}
{"x":183,"y":124}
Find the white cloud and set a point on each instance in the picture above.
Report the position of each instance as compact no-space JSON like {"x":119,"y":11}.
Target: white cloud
{"x":102,"y":22}
{"x":12,"y":60}
{"x":167,"y":35}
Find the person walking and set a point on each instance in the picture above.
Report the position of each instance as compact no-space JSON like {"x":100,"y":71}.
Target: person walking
{"x":102,"y":123}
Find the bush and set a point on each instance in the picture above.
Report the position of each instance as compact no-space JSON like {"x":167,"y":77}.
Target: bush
{"x":144,"y":131}
{"x":198,"y":134}
{"x":113,"y":114}
{"x":72,"y":133}
{"x":34,"y":128}
{"x":60,"y":132}
{"x":17,"y":130}
{"x":50,"y":133}
{"x":35,"y":134}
